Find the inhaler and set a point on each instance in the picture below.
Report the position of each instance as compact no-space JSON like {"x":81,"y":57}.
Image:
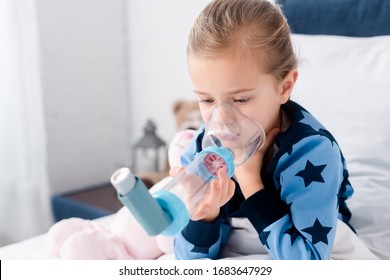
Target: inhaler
{"x":229,"y":140}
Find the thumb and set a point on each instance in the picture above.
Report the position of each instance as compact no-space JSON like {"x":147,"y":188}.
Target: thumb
{"x":175,"y":170}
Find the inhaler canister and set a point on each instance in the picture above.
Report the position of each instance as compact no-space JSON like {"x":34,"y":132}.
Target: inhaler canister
{"x":133,"y":193}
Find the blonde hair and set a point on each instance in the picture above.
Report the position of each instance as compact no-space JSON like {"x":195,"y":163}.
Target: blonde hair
{"x":251,"y":27}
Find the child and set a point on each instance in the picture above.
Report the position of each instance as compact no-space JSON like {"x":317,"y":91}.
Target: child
{"x":288,"y":199}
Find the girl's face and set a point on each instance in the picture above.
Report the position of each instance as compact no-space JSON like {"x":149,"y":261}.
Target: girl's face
{"x":240,"y":83}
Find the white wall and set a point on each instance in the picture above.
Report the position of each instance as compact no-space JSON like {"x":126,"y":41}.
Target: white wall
{"x":107,"y":67}
{"x":158,"y":32}
{"x":85,"y":101}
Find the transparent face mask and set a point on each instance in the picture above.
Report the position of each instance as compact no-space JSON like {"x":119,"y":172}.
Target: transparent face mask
{"x":229,"y":128}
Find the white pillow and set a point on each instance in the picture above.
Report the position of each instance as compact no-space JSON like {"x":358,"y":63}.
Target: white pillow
{"x":345,"y":83}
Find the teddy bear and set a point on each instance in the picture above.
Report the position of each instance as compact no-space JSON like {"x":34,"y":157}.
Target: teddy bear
{"x":124,"y":238}
{"x":187,"y":116}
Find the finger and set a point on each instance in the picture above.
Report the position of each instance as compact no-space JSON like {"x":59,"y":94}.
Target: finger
{"x":212,"y":197}
{"x":227,"y":190}
{"x":175,"y":170}
{"x":231,"y":189}
{"x":223,"y":181}
{"x":201,"y":212}
{"x":204,"y":206}
{"x":222,"y":175}
{"x":215,"y":190}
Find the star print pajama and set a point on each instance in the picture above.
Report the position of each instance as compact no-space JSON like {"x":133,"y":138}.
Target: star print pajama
{"x":295,"y":215}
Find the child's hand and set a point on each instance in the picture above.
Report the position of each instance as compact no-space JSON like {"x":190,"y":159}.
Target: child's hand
{"x":221,"y":191}
{"x":248,"y":174}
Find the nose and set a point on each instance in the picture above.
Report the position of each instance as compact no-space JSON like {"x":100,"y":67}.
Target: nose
{"x":225,"y":119}
{"x":224,"y":114}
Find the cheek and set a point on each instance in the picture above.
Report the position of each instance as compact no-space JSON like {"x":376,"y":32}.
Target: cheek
{"x":265,"y":116}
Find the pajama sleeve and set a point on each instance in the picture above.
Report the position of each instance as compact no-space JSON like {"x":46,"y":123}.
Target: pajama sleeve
{"x":199,"y":240}
{"x":297,"y":219}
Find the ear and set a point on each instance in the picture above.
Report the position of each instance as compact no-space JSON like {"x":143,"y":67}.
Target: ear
{"x":177,"y":106}
{"x":287,"y":85}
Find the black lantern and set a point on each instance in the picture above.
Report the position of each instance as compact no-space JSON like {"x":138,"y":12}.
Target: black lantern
{"x":149,"y":153}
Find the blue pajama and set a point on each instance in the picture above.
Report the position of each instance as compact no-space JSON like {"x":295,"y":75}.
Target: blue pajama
{"x":295,"y":215}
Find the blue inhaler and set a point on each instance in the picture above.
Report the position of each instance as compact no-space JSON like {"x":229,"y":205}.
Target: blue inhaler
{"x":230,"y":139}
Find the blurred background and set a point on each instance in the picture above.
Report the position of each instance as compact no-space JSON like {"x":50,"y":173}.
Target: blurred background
{"x":78,"y":81}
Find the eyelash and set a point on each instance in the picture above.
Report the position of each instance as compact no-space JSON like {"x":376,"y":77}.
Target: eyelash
{"x":206,"y":101}
{"x":242,"y":100}
{"x":238,"y":100}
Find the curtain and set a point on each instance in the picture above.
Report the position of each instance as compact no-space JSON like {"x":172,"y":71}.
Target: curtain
{"x":24,"y":192}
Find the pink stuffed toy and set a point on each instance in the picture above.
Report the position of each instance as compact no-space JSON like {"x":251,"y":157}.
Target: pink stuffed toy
{"x":124,"y":238}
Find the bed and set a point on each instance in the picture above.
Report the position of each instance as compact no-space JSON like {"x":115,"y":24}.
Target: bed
{"x":344,"y":52}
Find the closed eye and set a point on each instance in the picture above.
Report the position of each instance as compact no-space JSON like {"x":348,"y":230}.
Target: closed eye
{"x":206,"y":101}
{"x":241,"y":100}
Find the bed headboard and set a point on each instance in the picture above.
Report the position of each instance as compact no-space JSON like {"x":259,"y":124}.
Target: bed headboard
{"x":356,"y":18}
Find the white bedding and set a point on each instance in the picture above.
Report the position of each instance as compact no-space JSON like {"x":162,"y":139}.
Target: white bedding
{"x":30,"y":249}
{"x":34,"y":248}
{"x":345,"y":82}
